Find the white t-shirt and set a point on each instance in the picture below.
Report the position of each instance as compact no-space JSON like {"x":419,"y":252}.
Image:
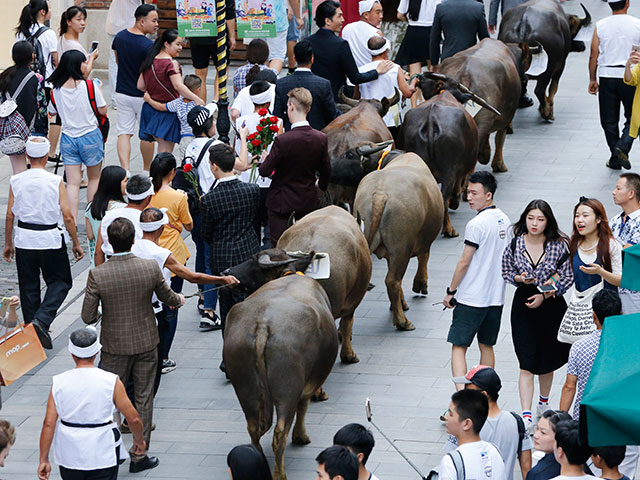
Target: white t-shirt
{"x":502,"y":432}
{"x":481,"y":461}
{"x":357,"y":34}
{"x":49,"y":42}
{"x":65,"y":45}
{"x":251,"y":121}
{"x":78,"y":118}
{"x":483,"y":285}
{"x":204,"y":168}
{"x":132,"y":214}
{"x":427,"y":12}
{"x":615,"y":251}
{"x":148,"y":250}
{"x":243,"y":102}
{"x":616,"y":35}
{"x":121,"y":15}
{"x":383,"y":86}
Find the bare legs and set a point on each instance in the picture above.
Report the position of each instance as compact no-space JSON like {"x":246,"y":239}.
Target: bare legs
{"x":124,"y":151}
{"x":459,"y":360}
{"x":525,"y":387}
{"x":164,"y":146}
{"x":74,"y":177}
{"x":18,"y":163}
{"x":414,"y":69}
{"x":201,"y":73}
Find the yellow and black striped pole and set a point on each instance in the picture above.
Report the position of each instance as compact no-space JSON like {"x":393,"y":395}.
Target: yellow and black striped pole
{"x":223,"y":100}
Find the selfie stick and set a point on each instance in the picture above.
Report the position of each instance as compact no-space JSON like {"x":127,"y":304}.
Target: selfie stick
{"x":367,"y":406}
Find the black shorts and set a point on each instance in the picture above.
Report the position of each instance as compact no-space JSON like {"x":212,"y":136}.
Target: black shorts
{"x":203,"y":49}
{"x":469,"y":321}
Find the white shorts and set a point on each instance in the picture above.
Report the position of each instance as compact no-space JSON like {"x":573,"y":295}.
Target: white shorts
{"x":129,"y":109}
{"x":278,"y":46}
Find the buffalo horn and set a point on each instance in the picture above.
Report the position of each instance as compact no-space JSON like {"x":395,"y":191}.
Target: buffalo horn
{"x":536,"y":47}
{"x":366,"y":150}
{"x":346,"y":100}
{"x":479,"y":100}
{"x":265,"y":261}
{"x":435,"y":76}
{"x":395,"y":99}
{"x":587,"y":17}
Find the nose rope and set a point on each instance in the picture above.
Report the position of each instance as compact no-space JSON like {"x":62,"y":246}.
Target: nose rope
{"x":200,"y":292}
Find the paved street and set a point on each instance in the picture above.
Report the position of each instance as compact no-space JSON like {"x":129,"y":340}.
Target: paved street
{"x":406,"y":374}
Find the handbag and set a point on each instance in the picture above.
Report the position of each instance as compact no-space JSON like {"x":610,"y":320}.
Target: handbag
{"x":577,"y":321}
{"x":14,"y":130}
{"x":20,"y":351}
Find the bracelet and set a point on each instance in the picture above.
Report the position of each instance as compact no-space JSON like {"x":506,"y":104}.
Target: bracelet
{"x":554,"y":280}
{"x":451,"y":292}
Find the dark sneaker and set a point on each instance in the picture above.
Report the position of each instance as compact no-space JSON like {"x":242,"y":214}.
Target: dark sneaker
{"x":210,"y":321}
{"x":147,"y":463}
{"x":168,"y":366}
{"x":525,"y":101}
{"x":623,"y":158}
{"x":613,"y":163}
{"x":43,"y":335}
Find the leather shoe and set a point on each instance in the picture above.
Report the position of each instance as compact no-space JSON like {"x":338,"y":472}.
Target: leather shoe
{"x":43,"y":335}
{"x":147,"y":463}
{"x":525,"y":101}
{"x":623,"y":158}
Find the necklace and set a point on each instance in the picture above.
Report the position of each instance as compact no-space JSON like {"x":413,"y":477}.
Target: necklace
{"x":587,"y":249}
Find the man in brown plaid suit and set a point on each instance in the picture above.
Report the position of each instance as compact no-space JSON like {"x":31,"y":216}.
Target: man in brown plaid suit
{"x":129,"y":336}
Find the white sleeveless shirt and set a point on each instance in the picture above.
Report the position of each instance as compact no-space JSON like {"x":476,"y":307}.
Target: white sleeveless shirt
{"x":383,"y":86}
{"x":84,"y":396}
{"x":36,"y":199}
{"x":148,"y":250}
{"x":132,"y":214}
{"x":616,"y":33}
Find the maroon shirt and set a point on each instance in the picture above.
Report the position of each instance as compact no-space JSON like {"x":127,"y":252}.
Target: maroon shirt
{"x":161,"y":89}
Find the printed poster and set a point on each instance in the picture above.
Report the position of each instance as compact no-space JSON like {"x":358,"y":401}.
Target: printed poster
{"x":196,"y":18}
{"x":255,"y":19}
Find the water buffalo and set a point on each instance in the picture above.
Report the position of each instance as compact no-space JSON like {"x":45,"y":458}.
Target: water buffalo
{"x":546,"y":23}
{"x":280,"y":345}
{"x":361,"y":125}
{"x":402,"y":210}
{"x":491,"y":70}
{"x":333,"y":230}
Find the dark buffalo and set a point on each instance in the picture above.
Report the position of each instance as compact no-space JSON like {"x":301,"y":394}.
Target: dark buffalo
{"x":279,"y":347}
{"x":544,"y":22}
{"x":490,"y":69}
{"x":361,"y":125}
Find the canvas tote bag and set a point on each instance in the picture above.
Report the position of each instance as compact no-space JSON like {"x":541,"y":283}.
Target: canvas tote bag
{"x":577,"y":321}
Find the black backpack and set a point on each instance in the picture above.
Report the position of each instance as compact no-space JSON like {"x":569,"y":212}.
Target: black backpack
{"x":180,"y":181}
{"x":521,"y":431}
{"x":39,"y":64}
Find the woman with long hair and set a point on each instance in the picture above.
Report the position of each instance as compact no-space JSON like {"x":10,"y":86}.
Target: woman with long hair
{"x":246,"y":462}
{"x":595,"y":254}
{"x":161,"y":77}
{"x":72,"y":23}
{"x":108,"y":196}
{"x":162,"y":171}
{"x":31,"y":105}
{"x":538,"y":255}
{"x":32,"y":23}
{"x":81,"y":141}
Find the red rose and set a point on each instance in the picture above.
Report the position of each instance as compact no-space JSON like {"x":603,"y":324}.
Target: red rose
{"x":255,"y":143}
{"x":263,"y":111}
{"x":264,"y":121}
{"x":187,"y":168}
{"x":259,"y":128}
{"x":273,"y":119}
{"x":251,"y":137}
{"x":273,"y":128}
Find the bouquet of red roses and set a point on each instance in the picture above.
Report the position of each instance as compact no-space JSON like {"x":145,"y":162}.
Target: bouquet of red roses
{"x":259,"y":141}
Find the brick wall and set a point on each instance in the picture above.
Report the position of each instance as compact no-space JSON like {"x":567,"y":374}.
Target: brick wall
{"x":97,"y":4}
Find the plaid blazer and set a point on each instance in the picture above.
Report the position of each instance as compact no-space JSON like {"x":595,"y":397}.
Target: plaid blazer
{"x":125,"y":285}
{"x":323,"y":108}
{"x":228,"y":210}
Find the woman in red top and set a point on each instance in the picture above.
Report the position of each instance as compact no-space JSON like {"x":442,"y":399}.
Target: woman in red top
{"x":161,"y":77}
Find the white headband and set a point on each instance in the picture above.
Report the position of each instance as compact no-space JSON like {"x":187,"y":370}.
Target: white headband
{"x":366,"y":5}
{"x":84,"y":352}
{"x":382,"y":49}
{"x":153,"y":226}
{"x":140,"y":196}
{"x":37,"y":147}
{"x":261,"y":98}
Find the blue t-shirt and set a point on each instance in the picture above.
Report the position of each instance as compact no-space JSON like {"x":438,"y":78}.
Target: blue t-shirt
{"x":131,"y":49}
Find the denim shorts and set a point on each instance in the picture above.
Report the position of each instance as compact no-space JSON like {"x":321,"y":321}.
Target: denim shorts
{"x":293,"y":35}
{"x":87,"y":149}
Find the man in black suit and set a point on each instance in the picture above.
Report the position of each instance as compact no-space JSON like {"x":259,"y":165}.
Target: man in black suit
{"x":332,"y":56}
{"x":323,"y":108}
{"x":228,"y":211}
{"x":295,"y":158}
{"x":461,"y":22}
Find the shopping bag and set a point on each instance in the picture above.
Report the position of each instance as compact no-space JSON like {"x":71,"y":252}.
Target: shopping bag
{"x":577,"y":321}
{"x":20,"y":351}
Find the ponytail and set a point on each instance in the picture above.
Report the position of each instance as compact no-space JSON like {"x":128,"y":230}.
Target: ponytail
{"x":29,"y":16}
{"x":168,"y":36}
{"x":161,"y":166}
{"x":414,"y":9}
{"x":68,"y":15}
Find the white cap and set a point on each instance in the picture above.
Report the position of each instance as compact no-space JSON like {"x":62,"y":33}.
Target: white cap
{"x":366,"y":5}
{"x":37,"y":147}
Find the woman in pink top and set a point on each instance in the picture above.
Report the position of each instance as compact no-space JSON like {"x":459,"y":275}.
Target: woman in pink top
{"x":161,"y":77}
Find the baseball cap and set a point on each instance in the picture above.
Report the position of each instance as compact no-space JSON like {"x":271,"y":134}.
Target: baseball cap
{"x":483,"y":377}
{"x":199,"y":114}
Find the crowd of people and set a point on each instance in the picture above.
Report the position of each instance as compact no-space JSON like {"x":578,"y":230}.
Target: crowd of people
{"x":238,"y":199}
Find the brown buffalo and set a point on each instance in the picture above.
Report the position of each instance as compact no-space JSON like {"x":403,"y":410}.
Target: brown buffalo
{"x":402,"y":210}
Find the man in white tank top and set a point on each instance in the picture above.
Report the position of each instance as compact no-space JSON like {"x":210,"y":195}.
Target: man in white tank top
{"x":613,"y":39}
{"x":87,"y":441}
{"x":37,"y":199}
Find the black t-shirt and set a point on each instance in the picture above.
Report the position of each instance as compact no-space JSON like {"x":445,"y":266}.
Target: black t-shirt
{"x":26,"y":101}
{"x":131,"y":49}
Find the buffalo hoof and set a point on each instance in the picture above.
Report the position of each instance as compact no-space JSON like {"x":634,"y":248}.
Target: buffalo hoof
{"x":370,"y":287}
{"x":510,"y":130}
{"x":349,"y":358}
{"x":406,"y":326}
{"x":320,"y":396}
{"x":451,"y":233}
{"x":499,"y":168}
{"x":405,"y":307}
{"x":420,"y":286}
{"x":300,"y":439}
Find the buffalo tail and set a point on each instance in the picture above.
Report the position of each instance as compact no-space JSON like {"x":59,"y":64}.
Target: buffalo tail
{"x":379,"y":200}
{"x":265,"y":409}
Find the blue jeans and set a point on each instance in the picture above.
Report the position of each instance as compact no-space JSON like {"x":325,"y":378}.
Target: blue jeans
{"x":171,"y":319}
{"x":202,"y":262}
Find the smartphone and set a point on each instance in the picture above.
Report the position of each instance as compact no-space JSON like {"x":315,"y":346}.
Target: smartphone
{"x":4,"y":306}
{"x":635,"y":48}
{"x":94,"y":45}
{"x":547,"y":288}
{"x":367,"y":409}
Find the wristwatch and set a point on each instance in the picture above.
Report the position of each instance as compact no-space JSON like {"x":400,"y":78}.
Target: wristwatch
{"x":451,"y":292}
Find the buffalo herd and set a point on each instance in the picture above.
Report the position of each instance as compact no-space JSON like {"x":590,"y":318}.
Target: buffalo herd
{"x":281,"y":343}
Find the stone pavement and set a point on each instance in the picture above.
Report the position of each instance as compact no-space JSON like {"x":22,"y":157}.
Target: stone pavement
{"x":406,"y":374}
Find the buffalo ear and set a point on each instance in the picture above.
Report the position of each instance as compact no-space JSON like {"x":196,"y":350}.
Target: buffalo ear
{"x":264,"y":261}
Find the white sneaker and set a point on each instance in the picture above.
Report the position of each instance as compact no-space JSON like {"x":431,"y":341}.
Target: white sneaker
{"x":540,"y":410}
{"x":529,"y":425}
